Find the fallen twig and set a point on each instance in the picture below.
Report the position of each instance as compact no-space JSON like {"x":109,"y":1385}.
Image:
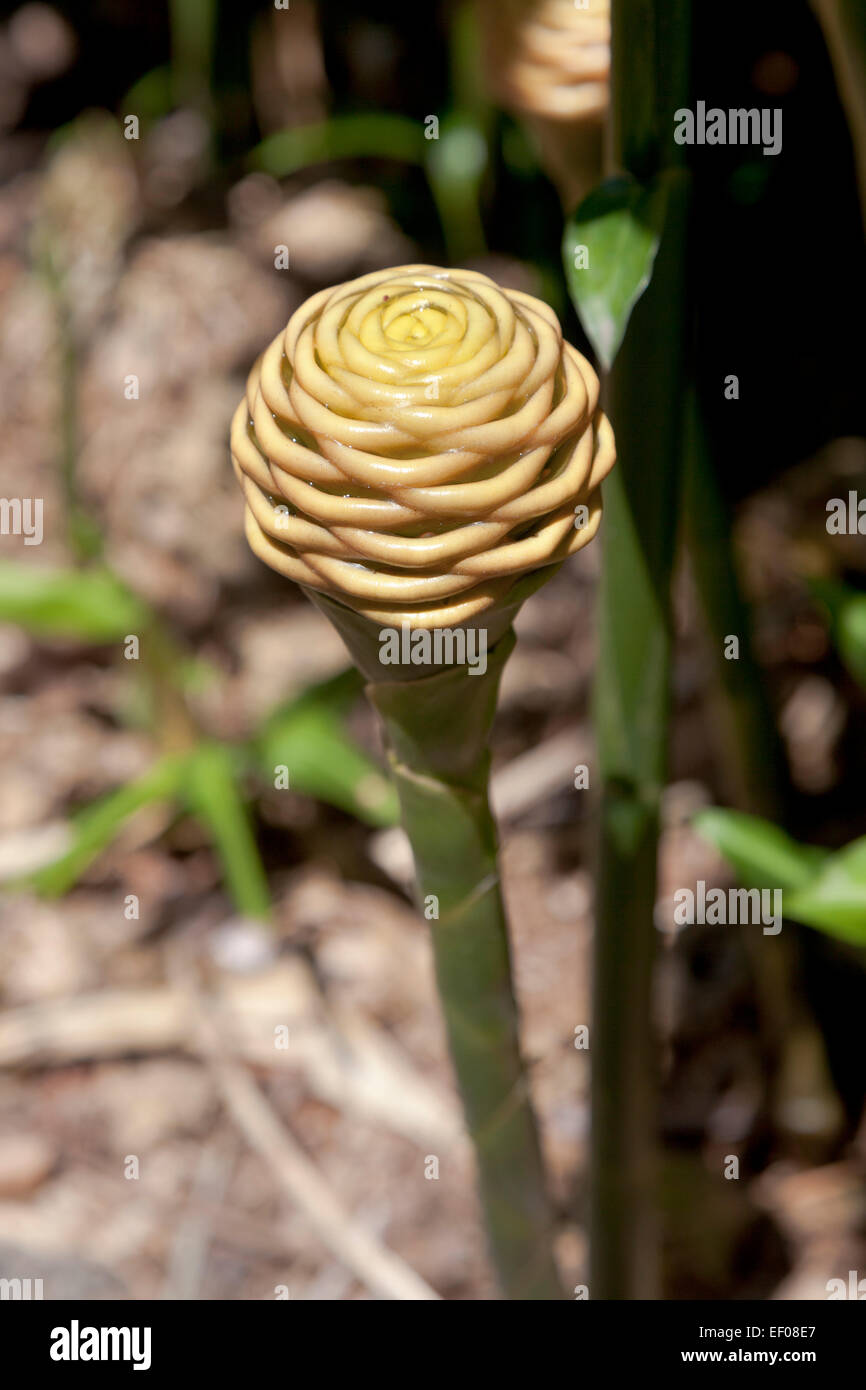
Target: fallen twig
{"x":378,"y":1268}
{"x":357,"y":1069}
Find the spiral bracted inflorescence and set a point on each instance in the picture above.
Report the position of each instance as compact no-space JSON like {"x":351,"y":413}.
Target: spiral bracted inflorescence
{"x":549,"y":58}
{"x":416,"y":440}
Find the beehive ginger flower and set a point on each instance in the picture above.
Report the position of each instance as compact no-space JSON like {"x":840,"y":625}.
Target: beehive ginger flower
{"x":549,"y":57}
{"x":418,"y":439}
{"x":548,"y":62}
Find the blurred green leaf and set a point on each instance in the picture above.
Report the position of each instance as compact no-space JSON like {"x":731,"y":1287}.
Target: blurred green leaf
{"x":847,"y":610}
{"x":370,"y":135}
{"x":96,"y":826}
{"x":150,"y":98}
{"x":835,"y":900}
{"x":821,"y":889}
{"x":336,"y":696}
{"x":455,"y":161}
{"x":456,"y":165}
{"x":212,"y":791}
{"x":308,"y":738}
{"x":762,"y":855}
{"x":195,"y":674}
{"x":91,"y":604}
{"x":608,"y":250}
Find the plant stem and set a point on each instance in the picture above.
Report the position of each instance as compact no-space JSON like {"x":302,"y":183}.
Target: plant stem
{"x":83,"y":538}
{"x":437,"y":731}
{"x":650,"y":80}
{"x":193,"y":35}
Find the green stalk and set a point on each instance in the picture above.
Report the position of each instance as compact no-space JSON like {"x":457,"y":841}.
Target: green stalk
{"x":83,"y":538}
{"x":193,"y":36}
{"x":646,"y":387}
{"x":437,"y":729}
{"x":442,"y":785}
{"x":457,"y":161}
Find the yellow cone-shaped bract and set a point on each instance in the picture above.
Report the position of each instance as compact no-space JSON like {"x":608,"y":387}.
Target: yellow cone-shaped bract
{"x":417,"y":440}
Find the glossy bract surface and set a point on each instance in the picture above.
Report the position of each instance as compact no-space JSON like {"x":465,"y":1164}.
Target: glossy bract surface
{"x":416,"y":440}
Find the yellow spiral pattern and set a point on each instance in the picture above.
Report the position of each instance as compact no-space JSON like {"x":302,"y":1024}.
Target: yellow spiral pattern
{"x":417,"y":439}
{"x":549,"y":57}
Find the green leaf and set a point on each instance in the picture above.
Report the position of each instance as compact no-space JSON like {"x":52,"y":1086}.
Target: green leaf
{"x":616,"y":230}
{"x":835,"y":900}
{"x":213,"y":793}
{"x":334,"y":696}
{"x":372,"y":135}
{"x":821,"y":889}
{"x":308,"y":738}
{"x":847,"y":610}
{"x":91,"y":604}
{"x":150,"y":97}
{"x":98,"y":825}
{"x":761,"y":854}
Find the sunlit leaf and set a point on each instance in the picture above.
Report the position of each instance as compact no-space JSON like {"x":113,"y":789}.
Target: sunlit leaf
{"x":760,"y":853}
{"x":96,"y":826}
{"x":90,"y":604}
{"x":608,"y":250}
{"x":835,"y":900}
{"x":821,"y":889}
{"x":212,"y":791}
{"x":308,"y":738}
